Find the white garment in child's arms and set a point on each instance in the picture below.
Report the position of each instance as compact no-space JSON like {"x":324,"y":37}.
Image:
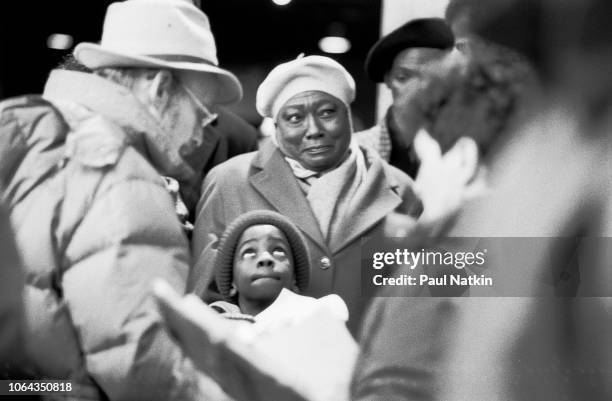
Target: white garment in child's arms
{"x":291,"y":308}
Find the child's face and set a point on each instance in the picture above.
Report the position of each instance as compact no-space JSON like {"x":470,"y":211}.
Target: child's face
{"x":263,"y":263}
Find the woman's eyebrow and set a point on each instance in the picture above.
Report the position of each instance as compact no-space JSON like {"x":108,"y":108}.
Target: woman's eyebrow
{"x":293,"y":107}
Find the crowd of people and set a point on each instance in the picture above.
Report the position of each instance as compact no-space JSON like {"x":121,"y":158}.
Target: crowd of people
{"x":128,"y":169}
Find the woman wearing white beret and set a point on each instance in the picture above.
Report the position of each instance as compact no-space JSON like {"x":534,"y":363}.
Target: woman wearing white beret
{"x":333,"y":190}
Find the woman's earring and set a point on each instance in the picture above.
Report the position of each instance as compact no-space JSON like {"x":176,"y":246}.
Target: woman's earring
{"x":233,"y":291}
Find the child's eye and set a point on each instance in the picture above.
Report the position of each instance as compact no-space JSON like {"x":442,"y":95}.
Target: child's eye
{"x":248,"y":254}
{"x":279,"y":253}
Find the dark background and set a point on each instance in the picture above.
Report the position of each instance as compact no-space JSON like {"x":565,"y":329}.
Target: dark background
{"x":252,"y":36}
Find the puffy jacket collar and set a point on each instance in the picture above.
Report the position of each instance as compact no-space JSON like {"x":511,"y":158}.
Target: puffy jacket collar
{"x":118,"y":104}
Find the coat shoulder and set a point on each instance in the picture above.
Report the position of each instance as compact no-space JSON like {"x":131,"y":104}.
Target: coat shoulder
{"x":397,"y":175}
{"x":237,"y":164}
{"x":403,"y":185}
{"x":32,"y":136}
{"x":96,"y":143}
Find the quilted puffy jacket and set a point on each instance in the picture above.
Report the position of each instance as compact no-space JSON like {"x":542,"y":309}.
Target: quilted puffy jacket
{"x":95,"y":226}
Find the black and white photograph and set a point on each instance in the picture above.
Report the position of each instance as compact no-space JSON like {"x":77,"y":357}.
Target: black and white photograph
{"x":306,"y":200}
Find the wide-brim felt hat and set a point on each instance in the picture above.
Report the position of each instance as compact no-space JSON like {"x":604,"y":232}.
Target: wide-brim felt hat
{"x":423,"y":32}
{"x":224,"y":258}
{"x":165,"y":34}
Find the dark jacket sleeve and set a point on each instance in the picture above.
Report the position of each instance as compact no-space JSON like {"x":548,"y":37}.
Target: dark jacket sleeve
{"x":11,"y":293}
{"x":240,"y":135}
{"x":209,"y":226}
{"x":403,"y":345}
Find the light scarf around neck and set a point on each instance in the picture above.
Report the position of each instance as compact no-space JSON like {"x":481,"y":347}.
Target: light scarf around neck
{"x":329,"y":193}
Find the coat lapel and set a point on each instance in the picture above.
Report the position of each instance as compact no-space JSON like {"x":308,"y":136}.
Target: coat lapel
{"x":276,"y":183}
{"x":374,"y":201}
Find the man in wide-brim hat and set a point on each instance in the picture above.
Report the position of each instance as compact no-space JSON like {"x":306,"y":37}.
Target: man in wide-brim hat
{"x":82,"y":166}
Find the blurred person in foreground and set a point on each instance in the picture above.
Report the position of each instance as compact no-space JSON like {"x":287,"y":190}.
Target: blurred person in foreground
{"x":333,"y":190}
{"x":557,"y":348}
{"x":93,"y":221}
{"x":407,"y":60}
{"x":405,"y":334}
{"x":551,"y":180}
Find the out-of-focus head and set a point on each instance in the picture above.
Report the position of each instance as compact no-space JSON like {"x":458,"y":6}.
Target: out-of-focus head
{"x":478,"y":99}
{"x":467,"y":120}
{"x":309,"y":99}
{"x":568,"y":42}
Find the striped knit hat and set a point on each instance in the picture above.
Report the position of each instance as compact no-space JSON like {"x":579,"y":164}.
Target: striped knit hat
{"x":224,"y":260}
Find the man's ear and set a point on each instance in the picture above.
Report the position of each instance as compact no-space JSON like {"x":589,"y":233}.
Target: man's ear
{"x":159,"y":92}
{"x":467,"y":158}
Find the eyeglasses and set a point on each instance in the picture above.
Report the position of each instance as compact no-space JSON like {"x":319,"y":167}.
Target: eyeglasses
{"x":209,"y":117}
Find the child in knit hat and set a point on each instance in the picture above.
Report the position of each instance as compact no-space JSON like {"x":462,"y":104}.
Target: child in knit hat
{"x":259,"y":254}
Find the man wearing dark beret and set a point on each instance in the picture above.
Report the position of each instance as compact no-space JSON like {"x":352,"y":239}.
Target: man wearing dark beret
{"x":406,"y":60}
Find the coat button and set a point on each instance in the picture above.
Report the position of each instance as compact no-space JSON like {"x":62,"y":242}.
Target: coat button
{"x":325,"y":263}
{"x":565,"y":276}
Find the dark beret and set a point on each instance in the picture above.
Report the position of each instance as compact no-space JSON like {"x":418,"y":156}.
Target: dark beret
{"x":425,"y":32}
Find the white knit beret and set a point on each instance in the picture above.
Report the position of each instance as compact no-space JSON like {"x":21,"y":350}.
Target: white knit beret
{"x":311,"y":73}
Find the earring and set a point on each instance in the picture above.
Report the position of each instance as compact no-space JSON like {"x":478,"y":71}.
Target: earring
{"x":233,"y":291}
